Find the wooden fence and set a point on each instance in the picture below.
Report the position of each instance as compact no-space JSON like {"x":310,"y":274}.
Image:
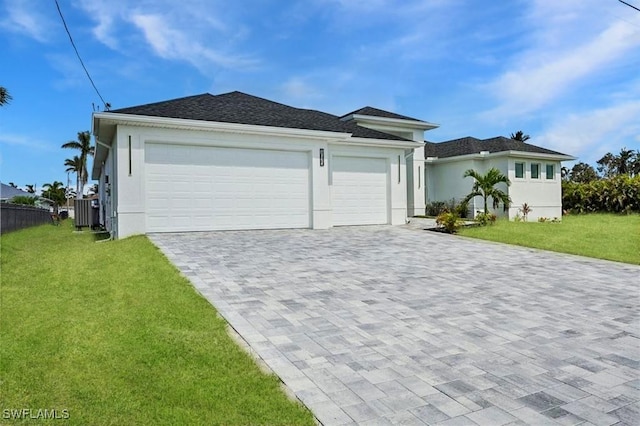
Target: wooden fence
{"x":15,"y":216}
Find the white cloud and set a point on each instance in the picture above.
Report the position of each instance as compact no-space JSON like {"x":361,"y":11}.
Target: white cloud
{"x":568,"y":48}
{"x":25,"y":17}
{"x":175,"y":44}
{"x":298,"y":88}
{"x":106,"y":14}
{"x":182,"y":31}
{"x":26,"y":141}
{"x":592,"y":134}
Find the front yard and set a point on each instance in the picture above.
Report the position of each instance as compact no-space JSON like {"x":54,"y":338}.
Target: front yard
{"x":110,"y":333}
{"x":603,"y":236}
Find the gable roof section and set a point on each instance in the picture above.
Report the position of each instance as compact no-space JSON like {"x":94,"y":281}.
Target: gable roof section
{"x":375,"y":112}
{"x":470,"y":145}
{"x":241,"y":108}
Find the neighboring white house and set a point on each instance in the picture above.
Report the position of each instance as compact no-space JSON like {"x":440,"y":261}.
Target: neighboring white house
{"x":534,"y":173}
{"x":236,"y":161}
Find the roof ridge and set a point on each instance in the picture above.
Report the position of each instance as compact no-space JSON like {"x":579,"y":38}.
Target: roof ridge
{"x":381,"y":113}
{"x":201,"y":95}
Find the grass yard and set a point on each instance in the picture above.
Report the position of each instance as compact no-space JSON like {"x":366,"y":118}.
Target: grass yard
{"x":113,"y":334}
{"x":603,"y":236}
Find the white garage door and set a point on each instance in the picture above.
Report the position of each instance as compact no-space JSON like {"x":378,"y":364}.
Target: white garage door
{"x":359,"y":191}
{"x":195,"y":188}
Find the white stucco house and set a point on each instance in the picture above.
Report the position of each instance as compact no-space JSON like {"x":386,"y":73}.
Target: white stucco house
{"x":235,"y":161}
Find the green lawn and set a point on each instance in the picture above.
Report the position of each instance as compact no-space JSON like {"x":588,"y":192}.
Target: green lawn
{"x":603,"y":236}
{"x":110,"y":332}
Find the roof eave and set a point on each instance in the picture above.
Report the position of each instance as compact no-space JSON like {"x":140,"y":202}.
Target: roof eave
{"x":381,"y":143}
{"x":415,"y":124}
{"x":540,"y":155}
{"x":189,"y":124}
{"x":520,"y":154}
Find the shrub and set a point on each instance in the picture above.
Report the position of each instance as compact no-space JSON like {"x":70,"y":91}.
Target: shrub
{"x":436,"y":208}
{"x":462,"y":209}
{"x":449,"y":221}
{"x":484,"y":219}
{"x":619,"y":194}
{"x":24,"y":200}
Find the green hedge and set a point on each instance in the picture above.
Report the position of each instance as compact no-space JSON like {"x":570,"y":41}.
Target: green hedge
{"x":619,"y":194}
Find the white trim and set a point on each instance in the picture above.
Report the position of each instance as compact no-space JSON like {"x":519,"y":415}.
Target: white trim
{"x":515,"y":154}
{"x":113,"y":119}
{"x":416,"y":124}
{"x":382,"y":143}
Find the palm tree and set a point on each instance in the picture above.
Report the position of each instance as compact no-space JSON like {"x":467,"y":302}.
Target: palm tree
{"x":520,"y":136}
{"x":5,"y":97}
{"x":83,"y":144}
{"x":624,"y":161}
{"x":74,"y":165}
{"x":13,"y":185}
{"x":31,"y":189}
{"x":484,"y":186}
{"x":55,"y":193}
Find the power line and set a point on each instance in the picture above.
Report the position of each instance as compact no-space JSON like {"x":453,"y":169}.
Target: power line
{"x":105,"y":104}
{"x":630,"y":5}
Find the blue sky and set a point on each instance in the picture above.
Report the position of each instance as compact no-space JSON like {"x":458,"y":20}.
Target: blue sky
{"x":565,"y":72}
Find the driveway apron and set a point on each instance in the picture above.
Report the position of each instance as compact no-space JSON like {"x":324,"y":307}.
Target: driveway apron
{"x":395,"y":325}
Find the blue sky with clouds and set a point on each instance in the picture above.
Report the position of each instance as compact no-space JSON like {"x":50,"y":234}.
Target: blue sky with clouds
{"x":566,"y":72}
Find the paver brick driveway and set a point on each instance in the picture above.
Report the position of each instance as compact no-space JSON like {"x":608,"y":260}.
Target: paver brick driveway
{"x":389,"y":325}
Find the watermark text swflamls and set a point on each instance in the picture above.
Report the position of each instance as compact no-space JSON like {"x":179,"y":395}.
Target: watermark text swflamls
{"x":34,"y":413}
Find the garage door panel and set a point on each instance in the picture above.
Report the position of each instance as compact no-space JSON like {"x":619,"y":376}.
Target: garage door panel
{"x":209,"y":188}
{"x":359,"y":191}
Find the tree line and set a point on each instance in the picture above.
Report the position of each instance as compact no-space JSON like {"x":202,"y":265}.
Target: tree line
{"x":627,"y":162}
{"x":614,"y":187}
{"x":56,"y":192}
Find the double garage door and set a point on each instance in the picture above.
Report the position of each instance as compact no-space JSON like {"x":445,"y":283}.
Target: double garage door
{"x":197,"y":188}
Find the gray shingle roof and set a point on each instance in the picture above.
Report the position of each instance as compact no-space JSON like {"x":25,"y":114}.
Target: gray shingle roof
{"x":375,"y":112}
{"x":241,"y":108}
{"x":8,"y":192}
{"x":470,"y":145}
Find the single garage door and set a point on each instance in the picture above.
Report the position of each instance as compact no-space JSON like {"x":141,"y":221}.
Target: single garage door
{"x":359,"y":191}
{"x":196,"y":188}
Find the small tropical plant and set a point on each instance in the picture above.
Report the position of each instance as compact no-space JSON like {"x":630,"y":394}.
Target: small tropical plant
{"x":485,"y":187}
{"x":525,"y":209}
{"x":484,"y":219}
{"x":449,"y":221}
